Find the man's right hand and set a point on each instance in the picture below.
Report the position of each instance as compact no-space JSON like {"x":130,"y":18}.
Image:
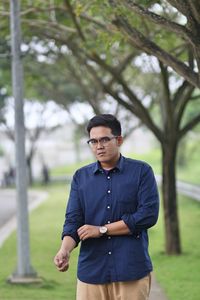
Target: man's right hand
{"x":61,"y":260}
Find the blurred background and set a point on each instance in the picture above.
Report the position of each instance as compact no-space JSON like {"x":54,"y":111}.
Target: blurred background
{"x":138,"y":60}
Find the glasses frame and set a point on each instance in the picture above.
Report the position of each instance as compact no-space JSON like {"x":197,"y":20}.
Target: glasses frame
{"x":100,"y":141}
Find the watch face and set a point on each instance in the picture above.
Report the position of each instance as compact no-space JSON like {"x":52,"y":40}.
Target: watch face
{"x":103,"y":229}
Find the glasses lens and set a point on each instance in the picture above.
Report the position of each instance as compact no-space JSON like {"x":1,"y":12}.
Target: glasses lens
{"x":92,"y":142}
{"x":103,"y":141}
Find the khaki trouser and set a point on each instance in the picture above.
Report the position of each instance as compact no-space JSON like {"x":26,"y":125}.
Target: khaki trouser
{"x":128,"y":290}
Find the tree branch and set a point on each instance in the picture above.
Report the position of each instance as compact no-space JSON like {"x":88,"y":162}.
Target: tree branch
{"x":157,"y":19}
{"x":185,"y":9}
{"x":140,"y":41}
{"x":181,"y":6}
{"x":189,"y":126}
{"x":122,"y":65}
{"x":96,"y":22}
{"x":181,"y":105}
{"x":74,"y":19}
{"x":53,"y":25}
{"x":165,"y":102}
{"x":195,"y":8}
{"x":139,"y":109}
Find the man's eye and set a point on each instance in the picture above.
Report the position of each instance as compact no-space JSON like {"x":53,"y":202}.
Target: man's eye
{"x":93,"y":142}
{"x":105,"y":139}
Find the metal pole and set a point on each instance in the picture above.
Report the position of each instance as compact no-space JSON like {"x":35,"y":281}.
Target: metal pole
{"x":24,"y":270}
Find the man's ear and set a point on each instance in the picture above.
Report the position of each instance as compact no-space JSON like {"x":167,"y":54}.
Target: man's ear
{"x":119,"y":140}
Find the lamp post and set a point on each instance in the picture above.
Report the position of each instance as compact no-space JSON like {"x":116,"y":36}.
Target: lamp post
{"x":24,"y":272}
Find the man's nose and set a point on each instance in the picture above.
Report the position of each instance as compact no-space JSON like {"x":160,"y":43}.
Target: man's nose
{"x":99,"y":145}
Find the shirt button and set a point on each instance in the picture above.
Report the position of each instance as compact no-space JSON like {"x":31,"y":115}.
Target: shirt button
{"x":109,"y":237}
{"x":108,"y":207}
{"x":108,"y":177}
{"x":108,"y":222}
{"x":109,"y":191}
{"x":109,"y":252}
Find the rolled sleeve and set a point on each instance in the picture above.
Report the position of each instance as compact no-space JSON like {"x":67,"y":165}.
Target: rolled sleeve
{"x":74,"y":214}
{"x":146,"y":214}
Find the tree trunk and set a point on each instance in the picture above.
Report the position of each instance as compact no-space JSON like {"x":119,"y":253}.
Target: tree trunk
{"x":30,"y":173}
{"x":172,"y":236}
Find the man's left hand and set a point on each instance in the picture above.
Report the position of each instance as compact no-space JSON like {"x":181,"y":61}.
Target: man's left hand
{"x":88,"y":231}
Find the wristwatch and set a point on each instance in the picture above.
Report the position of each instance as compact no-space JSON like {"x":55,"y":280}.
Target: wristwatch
{"x":103,"y":230}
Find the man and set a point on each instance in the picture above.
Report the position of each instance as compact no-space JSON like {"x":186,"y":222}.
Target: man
{"x":111,"y":205}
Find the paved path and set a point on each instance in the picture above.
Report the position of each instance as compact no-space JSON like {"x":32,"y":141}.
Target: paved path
{"x":184,"y":188}
{"x":156,"y":291}
{"x":8,"y":209}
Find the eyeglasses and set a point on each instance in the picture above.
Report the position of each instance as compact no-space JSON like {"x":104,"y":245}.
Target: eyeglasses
{"x":103,"y":141}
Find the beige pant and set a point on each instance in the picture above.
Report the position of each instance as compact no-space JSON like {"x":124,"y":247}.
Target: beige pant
{"x":128,"y":290}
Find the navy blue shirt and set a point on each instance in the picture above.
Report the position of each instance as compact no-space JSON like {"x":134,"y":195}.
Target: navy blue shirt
{"x":129,"y":193}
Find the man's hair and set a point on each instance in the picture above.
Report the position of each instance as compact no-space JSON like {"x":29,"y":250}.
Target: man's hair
{"x":106,"y":120}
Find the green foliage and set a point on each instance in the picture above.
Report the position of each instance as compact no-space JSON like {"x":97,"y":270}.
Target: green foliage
{"x":147,"y":3}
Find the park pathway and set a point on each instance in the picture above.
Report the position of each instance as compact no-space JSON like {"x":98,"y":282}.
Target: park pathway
{"x":8,"y":209}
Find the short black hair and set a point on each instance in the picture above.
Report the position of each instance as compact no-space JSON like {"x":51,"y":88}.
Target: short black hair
{"x":106,"y":120}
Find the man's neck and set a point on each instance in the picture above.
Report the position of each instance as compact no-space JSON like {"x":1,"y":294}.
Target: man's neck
{"x":110,"y":165}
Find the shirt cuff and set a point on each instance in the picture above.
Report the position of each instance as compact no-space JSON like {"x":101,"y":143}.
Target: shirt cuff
{"x":129,"y":221}
{"x":74,"y":236}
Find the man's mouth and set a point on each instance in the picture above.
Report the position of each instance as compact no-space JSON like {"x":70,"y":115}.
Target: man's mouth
{"x":101,"y":153}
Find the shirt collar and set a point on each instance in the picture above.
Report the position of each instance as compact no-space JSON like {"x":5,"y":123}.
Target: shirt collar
{"x":119,"y":166}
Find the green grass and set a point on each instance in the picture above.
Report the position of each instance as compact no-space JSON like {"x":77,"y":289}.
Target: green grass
{"x":152,"y":157}
{"x":45,"y":227}
{"x":179,"y":276}
{"x":69,"y":168}
{"x":189,"y":172}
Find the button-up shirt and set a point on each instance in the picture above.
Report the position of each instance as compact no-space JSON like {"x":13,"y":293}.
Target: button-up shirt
{"x":129,"y":193}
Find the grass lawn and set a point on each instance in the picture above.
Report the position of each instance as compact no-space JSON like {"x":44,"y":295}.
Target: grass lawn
{"x":45,"y":227}
{"x":189,"y":172}
{"x":179,"y":276}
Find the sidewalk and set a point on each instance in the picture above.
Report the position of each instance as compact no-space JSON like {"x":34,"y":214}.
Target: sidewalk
{"x":8,"y":209}
{"x":35,"y":198}
{"x":184,"y":188}
{"x":156,"y":291}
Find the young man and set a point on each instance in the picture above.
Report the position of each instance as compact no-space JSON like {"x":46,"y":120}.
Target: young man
{"x":111,"y":205}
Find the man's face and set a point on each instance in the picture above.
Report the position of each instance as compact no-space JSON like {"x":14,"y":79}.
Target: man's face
{"x":106,"y":151}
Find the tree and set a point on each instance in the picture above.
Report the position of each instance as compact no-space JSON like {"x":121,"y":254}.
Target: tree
{"x":108,"y":39}
{"x":68,"y":87}
{"x":5,"y":68}
{"x":36,"y":122}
